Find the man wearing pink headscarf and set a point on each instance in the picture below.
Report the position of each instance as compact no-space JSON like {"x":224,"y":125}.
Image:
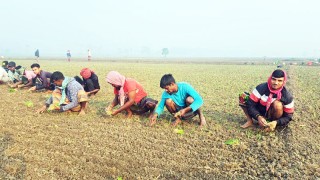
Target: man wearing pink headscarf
{"x":270,"y":103}
{"x":129,"y":94}
{"x":90,"y":81}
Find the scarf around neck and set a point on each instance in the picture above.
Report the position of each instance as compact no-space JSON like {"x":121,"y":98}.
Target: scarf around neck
{"x":277,"y":91}
{"x":63,"y":89}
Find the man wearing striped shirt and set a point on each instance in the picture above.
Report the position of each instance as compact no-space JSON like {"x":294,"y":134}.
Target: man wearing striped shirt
{"x":270,"y":103}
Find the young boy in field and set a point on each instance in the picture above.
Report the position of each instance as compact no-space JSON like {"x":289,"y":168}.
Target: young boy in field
{"x":42,"y":79}
{"x":269,"y":101}
{"x":69,"y":95}
{"x":129,"y":94}
{"x":15,"y":75}
{"x":181,"y":100}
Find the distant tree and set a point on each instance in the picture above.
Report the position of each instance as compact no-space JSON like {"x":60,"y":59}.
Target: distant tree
{"x":165,"y":52}
{"x":319,"y":60}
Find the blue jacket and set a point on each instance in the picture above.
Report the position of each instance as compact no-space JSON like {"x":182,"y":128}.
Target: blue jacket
{"x":179,"y":98}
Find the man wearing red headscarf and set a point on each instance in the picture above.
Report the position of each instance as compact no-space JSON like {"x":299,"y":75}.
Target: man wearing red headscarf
{"x":270,"y":103}
{"x":90,"y":81}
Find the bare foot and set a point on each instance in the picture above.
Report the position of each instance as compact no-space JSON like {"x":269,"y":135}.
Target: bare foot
{"x":247,"y":124}
{"x":81,"y":113}
{"x":176,"y":122}
{"x":152,"y":122}
{"x":86,"y":106}
{"x":129,"y":115}
{"x":203,"y":121}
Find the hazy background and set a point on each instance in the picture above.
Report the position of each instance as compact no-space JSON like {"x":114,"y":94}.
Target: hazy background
{"x":142,"y":28}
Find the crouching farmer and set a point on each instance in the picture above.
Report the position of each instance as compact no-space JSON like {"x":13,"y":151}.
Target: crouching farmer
{"x":270,"y":103}
{"x":181,"y":100}
{"x":68,"y":96}
{"x":130,"y":95}
{"x":90,"y":81}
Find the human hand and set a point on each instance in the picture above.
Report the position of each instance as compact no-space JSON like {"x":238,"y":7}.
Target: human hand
{"x":180,"y":113}
{"x":20,"y":85}
{"x":177,"y":114}
{"x":113,"y":113}
{"x":109,"y":110}
{"x":262,"y":121}
{"x":271,"y":126}
{"x":32,"y":88}
{"x":41,"y":110}
{"x":153,"y":119}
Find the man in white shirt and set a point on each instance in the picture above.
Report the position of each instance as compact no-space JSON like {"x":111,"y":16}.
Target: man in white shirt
{"x":3,"y":75}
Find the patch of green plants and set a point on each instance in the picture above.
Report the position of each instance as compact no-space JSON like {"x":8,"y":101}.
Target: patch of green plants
{"x":232,"y":142}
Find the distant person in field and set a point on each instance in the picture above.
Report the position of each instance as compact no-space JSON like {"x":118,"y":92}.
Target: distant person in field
{"x":129,"y":94}
{"x":69,"y":55}
{"x":42,"y":79}
{"x":89,"y":55}
{"x":270,"y":103}
{"x":69,"y":95}
{"x":89,"y":81}
{"x":37,"y":54}
{"x":181,"y":100}
{"x":3,"y":76}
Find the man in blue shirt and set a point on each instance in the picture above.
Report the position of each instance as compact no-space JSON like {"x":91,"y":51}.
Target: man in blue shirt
{"x":181,"y":100}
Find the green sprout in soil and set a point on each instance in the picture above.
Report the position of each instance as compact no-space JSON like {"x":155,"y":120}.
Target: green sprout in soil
{"x":12,"y":90}
{"x":259,"y":137}
{"x":29,"y":103}
{"x":232,"y":142}
{"x":179,"y":131}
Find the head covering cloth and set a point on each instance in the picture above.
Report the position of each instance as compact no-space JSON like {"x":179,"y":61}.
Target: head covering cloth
{"x":114,"y":77}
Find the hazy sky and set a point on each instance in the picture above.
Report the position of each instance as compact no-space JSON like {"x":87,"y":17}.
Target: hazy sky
{"x":141,"y":28}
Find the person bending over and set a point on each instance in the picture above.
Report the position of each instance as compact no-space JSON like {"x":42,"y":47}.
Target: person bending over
{"x":68,"y":96}
{"x":90,"y":81}
{"x":181,"y":100}
{"x":129,"y":94}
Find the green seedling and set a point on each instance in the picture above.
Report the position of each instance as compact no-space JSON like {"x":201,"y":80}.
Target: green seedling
{"x":109,"y":112}
{"x":54,"y":107}
{"x":179,"y":131}
{"x":119,"y":178}
{"x":29,"y":103}
{"x":259,"y":137}
{"x":12,"y":90}
{"x":232,"y":142}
